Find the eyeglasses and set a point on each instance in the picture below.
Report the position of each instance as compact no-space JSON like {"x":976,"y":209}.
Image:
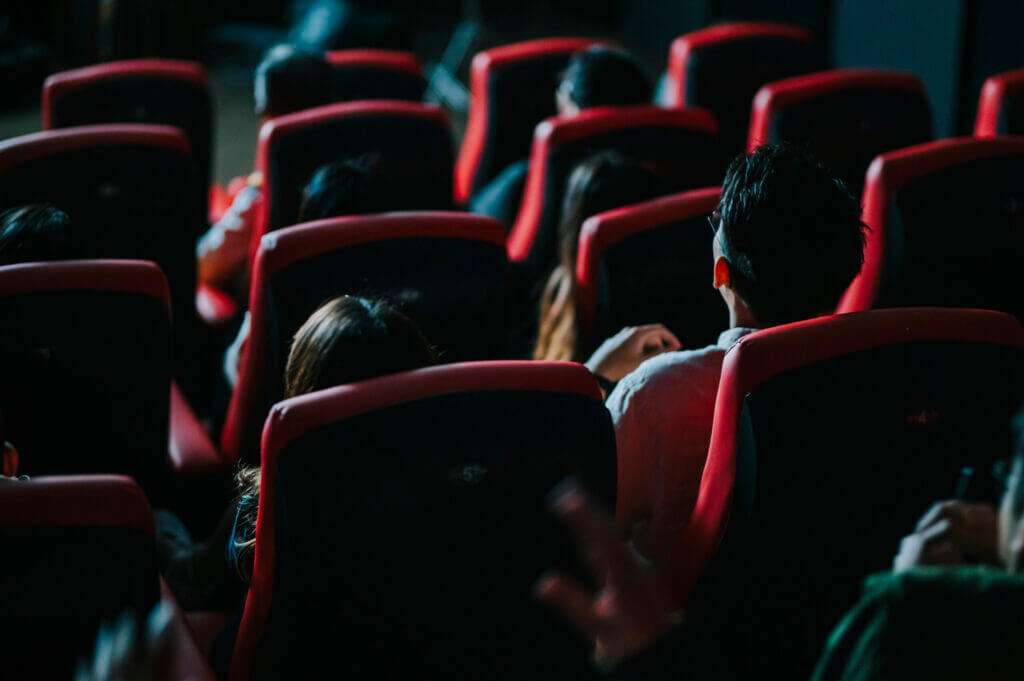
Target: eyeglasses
{"x":714,"y":220}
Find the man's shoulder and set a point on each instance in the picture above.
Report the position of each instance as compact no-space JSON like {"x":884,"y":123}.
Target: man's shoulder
{"x":672,"y":369}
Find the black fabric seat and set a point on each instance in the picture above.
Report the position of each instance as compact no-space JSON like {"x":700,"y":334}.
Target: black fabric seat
{"x":85,"y":365}
{"x":407,"y":513}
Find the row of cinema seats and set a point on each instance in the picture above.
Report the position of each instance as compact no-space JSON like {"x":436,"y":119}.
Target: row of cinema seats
{"x":852,"y":423}
{"x":90,"y":343}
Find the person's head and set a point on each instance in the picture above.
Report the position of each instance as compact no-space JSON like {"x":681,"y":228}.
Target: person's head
{"x":1011,"y":512}
{"x":602,"y":76}
{"x":789,"y":238}
{"x":601,"y":182}
{"x":347,"y":187}
{"x":353,"y":339}
{"x":35,"y":233}
{"x":291,"y":79}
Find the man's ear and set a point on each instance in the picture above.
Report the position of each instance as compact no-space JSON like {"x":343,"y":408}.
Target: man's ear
{"x":722,"y":277}
{"x":9,"y":461}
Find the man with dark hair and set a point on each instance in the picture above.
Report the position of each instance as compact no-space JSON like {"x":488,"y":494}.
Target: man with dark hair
{"x":788,"y":241}
{"x":35,"y":233}
{"x":596,"y":76}
{"x":351,"y":186}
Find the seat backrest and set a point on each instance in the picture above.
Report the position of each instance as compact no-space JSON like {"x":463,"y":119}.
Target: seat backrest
{"x":680,"y":144}
{"x":445,"y":270}
{"x":1001,"y":107}
{"x":512,"y":89}
{"x":77,"y":552}
{"x":85,"y":367}
{"x":721,"y":68}
{"x":831,"y":437}
{"x":651,"y":263}
{"x":407,"y":513}
{"x":376,"y":74}
{"x":410,"y":145}
{"x":946,"y":220}
{"x":844,"y":117}
{"x":159,"y":91}
{"x":131,"y":191}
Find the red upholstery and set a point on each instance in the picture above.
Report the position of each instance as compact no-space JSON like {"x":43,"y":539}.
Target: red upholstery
{"x":277,"y":132}
{"x":294,"y":244}
{"x":59,"y":84}
{"x":74,"y":501}
{"x":133,"y":276}
{"x":887,"y":174}
{"x":601,"y":232}
{"x":390,"y":60}
{"x":685,"y":46}
{"x":17,"y":150}
{"x":478,"y":135}
{"x":192,"y":453}
{"x":758,"y":357}
{"x":775,"y":97}
{"x":996,"y":94}
{"x":554,"y":133}
{"x":293,"y":418}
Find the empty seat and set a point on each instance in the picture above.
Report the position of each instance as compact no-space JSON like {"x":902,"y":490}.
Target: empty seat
{"x":680,"y":144}
{"x":831,"y":437}
{"x":946,"y":218}
{"x":1001,"y":107}
{"x":77,"y":551}
{"x":651,"y":263}
{"x":721,"y":68}
{"x":844,"y":117}
{"x":376,"y":74}
{"x":445,"y":270}
{"x":512,"y":89}
{"x":136,"y":91}
{"x":85,"y":367}
{"x":410,"y":145}
{"x":404,"y":518}
{"x":131,"y":191}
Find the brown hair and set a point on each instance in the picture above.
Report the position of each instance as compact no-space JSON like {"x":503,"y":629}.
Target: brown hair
{"x":347,"y":340}
{"x":601,"y":182}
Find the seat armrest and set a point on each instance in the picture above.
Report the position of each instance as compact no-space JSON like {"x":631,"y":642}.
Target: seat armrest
{"x":214,"y":307}
{"x":190,"y":449}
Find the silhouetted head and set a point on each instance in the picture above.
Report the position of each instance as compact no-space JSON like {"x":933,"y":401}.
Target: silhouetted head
{"x":291,"y":79}
{"x":602,"y":76}
{"x":36,"y":233}
{"x":348,"y":187}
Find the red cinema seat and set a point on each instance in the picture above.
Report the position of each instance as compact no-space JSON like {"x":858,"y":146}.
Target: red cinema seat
{"x":85,"y":367}
{"x":945,"y":219}
{"x":512,"y":89}
{"x":131,"y":191}
{"x":844,"y":117}
{"x":78,"y":551}
{"x":409,"y":144}
{"x":651,"y":263}
{"x":445,"y":270}
{"x":831,"y":437}
{"x":681,"y":145}
{"x":376,"y":74}
{"x":407,"y":513}
{"x":721,"y":68}
{"x":159,"y":91}
{"x":1001,"y":107}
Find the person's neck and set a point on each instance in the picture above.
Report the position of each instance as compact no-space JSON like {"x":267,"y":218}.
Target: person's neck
{"x":739,"y":316}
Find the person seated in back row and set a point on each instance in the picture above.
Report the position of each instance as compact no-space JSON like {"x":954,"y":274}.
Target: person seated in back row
{"x":788,"y":241}
{"x":289,"y":79}
{"x":596,"y":76}
{"x":601,"y":182}
{"x":37,"y":233}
